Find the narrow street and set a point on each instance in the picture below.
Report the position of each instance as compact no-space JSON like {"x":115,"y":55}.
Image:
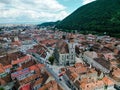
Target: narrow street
{"x":50,"y":68}
{"x":61,"y":82}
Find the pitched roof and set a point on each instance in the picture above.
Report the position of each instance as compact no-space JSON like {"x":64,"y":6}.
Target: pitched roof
{"x":103,"y":62}
{"x":91,"y":54}
{"x":29,"y":79}
{"x":26,"y":87}
{"x":62,"y":46}
{"x":92,"y":85}
{"x":6,"y":79}
{"x":107,"y":81}
{"x":52,"y":85}
{"x":73,"y":76}
{"x":1,"y":69}
{"x":22,"y":59}
{"x":116,"y":73}
{"x":7,"y":59}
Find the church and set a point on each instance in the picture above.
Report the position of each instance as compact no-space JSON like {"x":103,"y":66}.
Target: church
{"x":65,"y":50}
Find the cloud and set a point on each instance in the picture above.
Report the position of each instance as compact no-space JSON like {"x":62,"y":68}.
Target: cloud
{"x":31,"y":10}
{"x":87,"y":1}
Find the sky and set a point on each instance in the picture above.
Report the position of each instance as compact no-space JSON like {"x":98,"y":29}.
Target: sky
{"x":37,"y":11}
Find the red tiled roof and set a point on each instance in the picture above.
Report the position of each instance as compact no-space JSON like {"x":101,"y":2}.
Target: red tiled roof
{"x":21,"y":60}
{"x":52,"y":85}
{"x":40,"y":65}
{"x":16,"y":43}
{"x":32,"y":50}
{"x":1,"y":68}
{"x":73,"y":76}
{"x":62,"y":46}
{"x":34,"y":67}
{"x":7,"y":66}
{"x":2,"y":82}
{"x":29,"y":79}
{"x":25,"y":87}
{"x":37,"y":82}
{"x":18,"y":73}
{"x":6,"y":60}
{"x":28,"y":64}
{"x":107,"y":81}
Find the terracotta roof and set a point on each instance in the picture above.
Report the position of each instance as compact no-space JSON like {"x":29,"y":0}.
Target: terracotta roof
{"x":84,"y":80}
{"x":6,"y":60}
{"x":19,"y":68}
{"x":21,"y":72}
{"x":83,"y":86}
{"x":92,"y":70}
{"x":25,"y":87}
{"x":28,"y":64}
{"x":52,"y":85}
{"x":18,"y":43}
{"x":48,"y":42}
{"x":38,"y":82}
{"x":78,"y":68}
{"x":29,"y":79}
{"x":107,"y":81}
{"x":92,"y":85}
{"x":39,"y":49}
{"x":32,"y":50}
{"x":23,"y":59}
{"x":1,"y":69}
{"x":7,"y":66}
{"x":73,"y":76}
{"x":34,"y":67}
{"x":81,"y":70}
{"x":40,"y":65}
{"x":109,"y":56}
{"x":6,"y":79}
{"x":116,"y":73}
{"x":2,"y":82}
{"x":62,"y":46}
{"x":78,"y":65}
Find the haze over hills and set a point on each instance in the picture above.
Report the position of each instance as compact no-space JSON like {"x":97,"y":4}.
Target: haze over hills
{"x":45,"y":24}
{"x":100,"y":16}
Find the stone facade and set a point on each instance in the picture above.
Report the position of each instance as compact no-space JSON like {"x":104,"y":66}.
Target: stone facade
{"x":95,"y":64}
{"x":64,"y":52}
{"x":68,"y":57}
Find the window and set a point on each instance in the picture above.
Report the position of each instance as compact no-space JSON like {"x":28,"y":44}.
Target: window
{"x":67,"y":57}
{"x":72,"y":57}
{"x":62,"y":57}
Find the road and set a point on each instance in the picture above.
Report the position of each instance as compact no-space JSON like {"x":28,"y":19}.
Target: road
{"x":49,"y":68}
{"x":61,"y":82}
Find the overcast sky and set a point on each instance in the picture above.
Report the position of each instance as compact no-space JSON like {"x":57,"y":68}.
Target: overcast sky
{"x":37,"y":11}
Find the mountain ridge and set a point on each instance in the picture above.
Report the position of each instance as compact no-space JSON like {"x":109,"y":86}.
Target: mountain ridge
{"x":99,"y":16}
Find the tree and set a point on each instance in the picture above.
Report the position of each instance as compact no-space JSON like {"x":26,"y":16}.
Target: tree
{"x":118,"y":65}
{"x":105,"y":87}
{"x":94,"y":18}
{"x":1,"y":88}
{"x":51,"y":59}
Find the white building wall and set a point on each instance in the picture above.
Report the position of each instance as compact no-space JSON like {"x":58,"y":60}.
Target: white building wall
{"x":95,"y":64}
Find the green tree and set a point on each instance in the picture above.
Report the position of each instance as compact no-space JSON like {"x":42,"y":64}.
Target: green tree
{"x":99,"y":16}
{"x":118,"y":65}
{"x":105,"y":87}
{"x":1,"y":88}
{"x":51,"y":59}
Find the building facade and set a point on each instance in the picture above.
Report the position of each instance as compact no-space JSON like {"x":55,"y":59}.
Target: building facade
{"x":64,"y":52}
